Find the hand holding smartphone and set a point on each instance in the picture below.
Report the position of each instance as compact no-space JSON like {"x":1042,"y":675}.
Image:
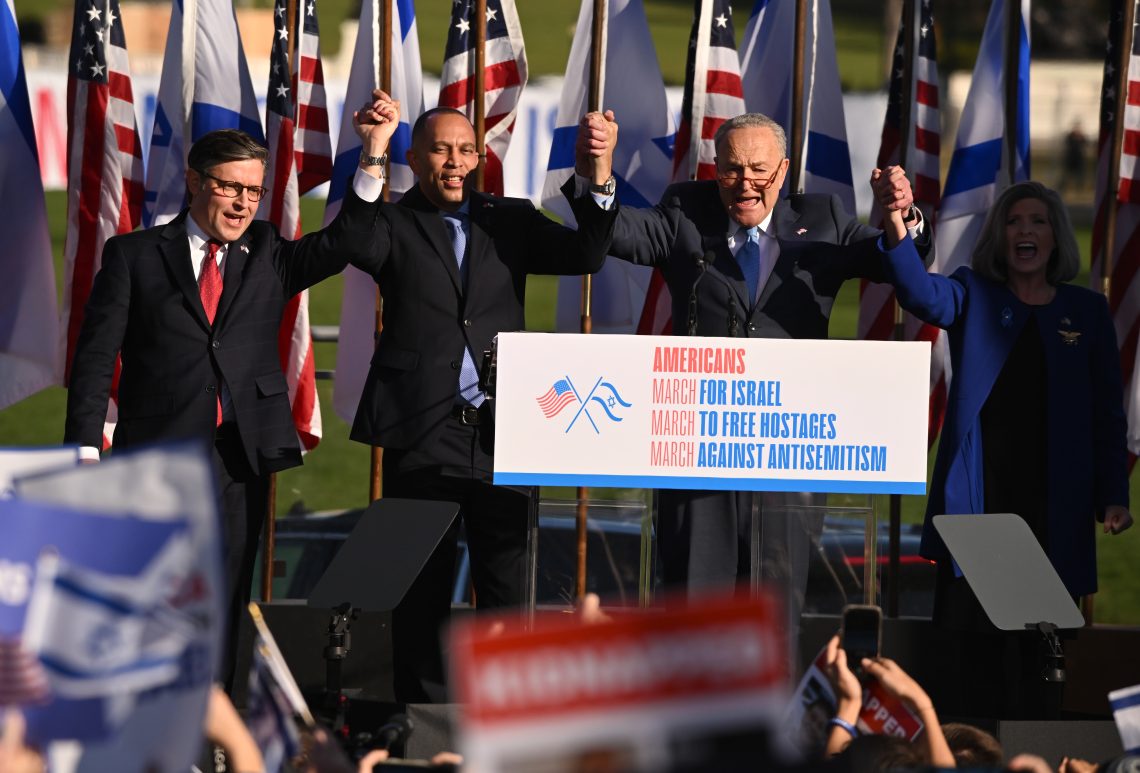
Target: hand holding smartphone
{"x":862,"y":635}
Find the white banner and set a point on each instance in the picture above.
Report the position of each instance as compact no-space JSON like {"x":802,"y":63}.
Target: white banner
{"x":712,"y":413}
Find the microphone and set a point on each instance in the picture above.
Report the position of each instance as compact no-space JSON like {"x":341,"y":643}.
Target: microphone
{"x":702,"y":265}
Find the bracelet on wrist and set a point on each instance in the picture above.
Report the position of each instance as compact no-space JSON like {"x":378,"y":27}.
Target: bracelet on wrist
{"x":843,"y":723}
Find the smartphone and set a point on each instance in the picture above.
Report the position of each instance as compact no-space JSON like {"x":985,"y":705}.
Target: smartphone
{"x":862,"y":634}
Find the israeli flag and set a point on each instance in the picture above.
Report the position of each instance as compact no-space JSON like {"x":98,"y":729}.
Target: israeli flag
{"x":979,"y":168}
{"x":29,"y":319}
{"x":358,"y":306}
{"x":633,"y":88}
{"x":205,"y":86}
{"x":766,"y":64}
{"x":99,"y":635}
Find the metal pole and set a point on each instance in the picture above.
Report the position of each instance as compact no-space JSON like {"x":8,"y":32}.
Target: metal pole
{"x":384,"y":80}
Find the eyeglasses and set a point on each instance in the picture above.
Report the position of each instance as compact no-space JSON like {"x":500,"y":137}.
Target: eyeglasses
{"x":232,"y":189}
{"x":731,"y":177}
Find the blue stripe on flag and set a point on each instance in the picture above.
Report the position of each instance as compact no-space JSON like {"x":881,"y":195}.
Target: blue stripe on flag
{"x":115,"y":605}
{"x":205,"y":118}
{"x":59,"y":667}
{"x":629,"y":195}
{"x":407,"y":11}
{"x":12,"y":82}
{"x":974,"y":166}
{"x":344,"y":167}
{"x":400,"y":144}
{"x":1128,"y":701}
{"x":562,"y":148}
{"x":828,"y":157}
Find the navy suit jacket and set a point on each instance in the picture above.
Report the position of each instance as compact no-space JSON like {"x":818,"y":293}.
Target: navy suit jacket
{"x":1086,"y":429}
{"x":145,"y":305}
{"x":430,"y":316}
{"x":821,"y":246}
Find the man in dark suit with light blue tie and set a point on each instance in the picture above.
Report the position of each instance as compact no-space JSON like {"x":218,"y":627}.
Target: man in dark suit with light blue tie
{"x":451,"y":264}
{"x":740,"y":261}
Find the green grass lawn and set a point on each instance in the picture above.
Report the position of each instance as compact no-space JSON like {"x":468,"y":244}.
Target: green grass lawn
{"x":335,"y":475}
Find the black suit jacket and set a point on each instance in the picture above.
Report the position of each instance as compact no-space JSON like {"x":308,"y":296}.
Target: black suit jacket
{"x":145,"y":304}
{"x":821,"y":246}
{"x":429,"y":317}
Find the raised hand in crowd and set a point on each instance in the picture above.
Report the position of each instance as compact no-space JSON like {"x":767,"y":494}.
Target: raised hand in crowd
{"x":224,"y":727}
{"x":896,"y":682}
{"x":15,"y":757}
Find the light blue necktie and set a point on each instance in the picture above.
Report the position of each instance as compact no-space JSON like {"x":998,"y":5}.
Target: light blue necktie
{"x":468,"y":373}
{"x":748,"y":256}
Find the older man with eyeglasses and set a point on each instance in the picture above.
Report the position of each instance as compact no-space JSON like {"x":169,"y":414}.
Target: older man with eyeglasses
{"x":740,"y":261}
{"x":192,"y":308}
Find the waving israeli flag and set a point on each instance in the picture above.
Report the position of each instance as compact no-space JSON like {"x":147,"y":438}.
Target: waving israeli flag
{"x":634,"y":90}
{"x":205,"y":85}
{"x":979,"y":168}
{"x":766,"y":63}
{"x":358,"y":306}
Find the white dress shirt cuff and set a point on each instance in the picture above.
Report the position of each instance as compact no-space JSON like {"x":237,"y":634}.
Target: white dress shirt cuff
{"x":88,"y":454}
{"x":582,"y":187}
{"x":916,"y":229}
{"x":367,"y":187}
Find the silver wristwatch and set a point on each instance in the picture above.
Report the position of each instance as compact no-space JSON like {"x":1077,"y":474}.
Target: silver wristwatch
{"x":368,"y":160}
{"x":608,"y":188}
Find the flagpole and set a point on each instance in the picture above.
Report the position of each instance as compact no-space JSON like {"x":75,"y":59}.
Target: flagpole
{"x":384,"y":80}
{"x":797,"y":137}
{"x":479,"y":26}
{"x":1112,"y":185}
{"x":594,"y":104}
{"x":268,"y":554}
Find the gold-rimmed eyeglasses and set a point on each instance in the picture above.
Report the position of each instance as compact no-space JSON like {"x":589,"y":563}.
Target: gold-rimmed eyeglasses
{"x":731,"y":177}
{"x":231,"y":189}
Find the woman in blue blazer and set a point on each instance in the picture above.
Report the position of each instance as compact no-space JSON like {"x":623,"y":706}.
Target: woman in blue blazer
{"x":1035,"y":421}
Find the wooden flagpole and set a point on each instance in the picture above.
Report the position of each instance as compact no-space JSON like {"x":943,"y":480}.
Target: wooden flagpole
{"x":384,"y":80}
{"x":593,"y":104}
{"x":479,"y":27}
{"x":270,"y":534}
{"x":1012,"y":76}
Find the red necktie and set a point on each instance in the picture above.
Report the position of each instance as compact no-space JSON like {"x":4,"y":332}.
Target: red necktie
{"x":210,"y":291}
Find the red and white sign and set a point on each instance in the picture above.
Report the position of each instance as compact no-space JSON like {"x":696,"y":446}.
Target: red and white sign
{"x":619,"y":688}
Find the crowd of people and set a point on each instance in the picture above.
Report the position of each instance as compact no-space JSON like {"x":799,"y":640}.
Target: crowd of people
{"x":191,"y":309}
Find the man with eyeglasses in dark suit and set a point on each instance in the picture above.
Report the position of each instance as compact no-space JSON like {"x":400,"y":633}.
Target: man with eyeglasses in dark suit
{"x":740,"y":261}
{"x":193,"y":307}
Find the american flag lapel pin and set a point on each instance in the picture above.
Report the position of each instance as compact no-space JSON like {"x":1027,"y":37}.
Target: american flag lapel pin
{"x":245,"y":249}
{"x":801,"y":231}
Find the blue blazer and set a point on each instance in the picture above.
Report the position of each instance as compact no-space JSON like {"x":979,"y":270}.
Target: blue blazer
{"x":1086,"y":428}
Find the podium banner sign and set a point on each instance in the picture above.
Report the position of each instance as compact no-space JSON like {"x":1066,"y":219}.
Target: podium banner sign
{"x":712,"y":413}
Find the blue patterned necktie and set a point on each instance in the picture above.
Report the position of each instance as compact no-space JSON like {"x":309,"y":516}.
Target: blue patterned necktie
{"x":748,"y":256}
{"x":468,"y":373}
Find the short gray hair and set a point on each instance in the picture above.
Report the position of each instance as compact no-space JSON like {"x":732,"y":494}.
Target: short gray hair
{"x":990,"y":258}
{"x":751,"y":120}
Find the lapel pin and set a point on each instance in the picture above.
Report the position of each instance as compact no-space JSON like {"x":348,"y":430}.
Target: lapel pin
{"x":1070,"y":337}
{"x":244,"y":249}
{"x":1006,"y":317}
{"x":801,"y":231}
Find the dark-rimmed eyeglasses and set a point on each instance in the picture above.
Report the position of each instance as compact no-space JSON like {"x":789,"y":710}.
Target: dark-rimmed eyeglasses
{"x":731,"y":177}
{"x":231,"y":189}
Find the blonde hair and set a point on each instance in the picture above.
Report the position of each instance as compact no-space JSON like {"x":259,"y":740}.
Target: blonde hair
{"x":990,"y":258}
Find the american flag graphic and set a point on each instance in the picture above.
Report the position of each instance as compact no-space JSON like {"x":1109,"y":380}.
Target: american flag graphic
{"x":104,"y":162}
{"x":22,"y":679}
{"x":1124,"y":292}
{"x":300,"y":158}
{"x":877,"y":301}
{"x":712,"y":95}
{"x":556,"y":398}
{"x":504,"y":76}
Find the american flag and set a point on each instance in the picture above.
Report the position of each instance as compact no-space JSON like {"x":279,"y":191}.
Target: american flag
{"x":104,"y":163}
{"x":712,"y":95}
{"x":300,"y":158}
{"x":556,"y":398}
{"x":22,"y":679}
{"x":877,"y":301}
{"x":504,"y":75}
{"x":1124,"y":292}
